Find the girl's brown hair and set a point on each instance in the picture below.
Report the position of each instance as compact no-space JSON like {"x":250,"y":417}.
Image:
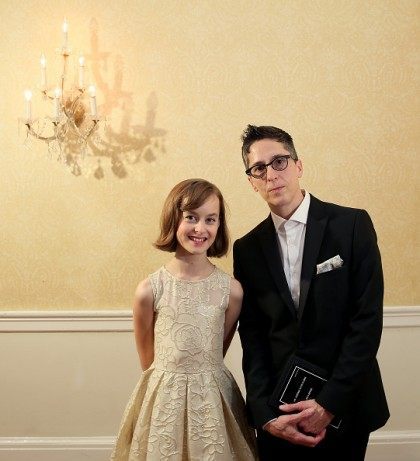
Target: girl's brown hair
{"x":189,"y":195}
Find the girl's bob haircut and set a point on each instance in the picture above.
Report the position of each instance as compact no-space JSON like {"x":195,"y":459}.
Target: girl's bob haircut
{"x":189,"y":195}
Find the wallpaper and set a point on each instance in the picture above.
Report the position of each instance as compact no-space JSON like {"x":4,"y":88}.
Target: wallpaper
{"x":176,"y":84}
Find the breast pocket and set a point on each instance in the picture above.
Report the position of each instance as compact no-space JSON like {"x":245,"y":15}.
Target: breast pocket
{"x":333,"y":272}
{"x":331,"y":288}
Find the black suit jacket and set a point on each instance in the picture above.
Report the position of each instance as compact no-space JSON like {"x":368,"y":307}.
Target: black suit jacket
{"x":338,"y":323}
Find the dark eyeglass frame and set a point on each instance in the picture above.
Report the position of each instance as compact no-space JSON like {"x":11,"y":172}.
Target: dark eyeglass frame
{"x":266,"y":165}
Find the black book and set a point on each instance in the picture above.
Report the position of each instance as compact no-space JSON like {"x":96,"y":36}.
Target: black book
{"x":300,"y":380}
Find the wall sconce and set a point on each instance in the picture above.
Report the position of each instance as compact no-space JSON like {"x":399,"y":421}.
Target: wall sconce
{"x":71,"y":121}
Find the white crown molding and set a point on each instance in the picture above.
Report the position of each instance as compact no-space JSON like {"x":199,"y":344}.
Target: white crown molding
{"x":121,"y":320}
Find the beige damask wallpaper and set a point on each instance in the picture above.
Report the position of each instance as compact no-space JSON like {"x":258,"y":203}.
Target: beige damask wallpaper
{"x":177,"y":82}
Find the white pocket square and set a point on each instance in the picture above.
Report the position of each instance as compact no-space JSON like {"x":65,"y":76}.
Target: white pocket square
{"x":330,"y":264}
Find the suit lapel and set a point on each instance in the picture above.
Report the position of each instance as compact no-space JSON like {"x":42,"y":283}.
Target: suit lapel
{"x":269,"y":244}
{"x":315,"y":228}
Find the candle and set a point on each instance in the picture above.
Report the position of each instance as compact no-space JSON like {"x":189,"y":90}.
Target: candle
{"x":93,"y":108}
{"x":28,"y":105}
{"x":43,"y":62}
{"x":57,"y":94}
{"x":65,"y":34}
{"x":81,"y":72}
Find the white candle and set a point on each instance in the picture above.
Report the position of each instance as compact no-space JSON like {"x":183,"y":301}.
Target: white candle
{"x":93,"y":108}
{"x":43,"y":62}
{"x":81,"y":72}
{"x":28,"y":105}
{"x":57,"y":94}
{"x":65,"y":34}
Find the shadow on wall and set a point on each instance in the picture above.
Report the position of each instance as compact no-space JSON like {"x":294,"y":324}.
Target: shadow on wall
{"x":92,"y":145}
{"x":130,"y":143}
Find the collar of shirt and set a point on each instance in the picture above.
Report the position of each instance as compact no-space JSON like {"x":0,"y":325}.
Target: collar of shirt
{"x":299,"y":216}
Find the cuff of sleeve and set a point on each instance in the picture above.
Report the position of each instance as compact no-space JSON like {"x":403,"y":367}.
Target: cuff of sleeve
{"x":265,"y":425}
{"x":332,"y":402}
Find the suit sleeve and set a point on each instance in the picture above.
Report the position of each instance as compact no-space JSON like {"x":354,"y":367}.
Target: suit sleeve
{"x":256,"y":362}
{"x":361,"y":343}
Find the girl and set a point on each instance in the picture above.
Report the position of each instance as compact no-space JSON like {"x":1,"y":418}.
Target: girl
{"x":187,"y":405}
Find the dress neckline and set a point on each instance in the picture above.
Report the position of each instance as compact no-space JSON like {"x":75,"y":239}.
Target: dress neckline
{"x":190,"y":281}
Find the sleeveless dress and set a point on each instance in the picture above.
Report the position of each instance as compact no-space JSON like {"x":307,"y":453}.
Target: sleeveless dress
{"x":186,"y":405}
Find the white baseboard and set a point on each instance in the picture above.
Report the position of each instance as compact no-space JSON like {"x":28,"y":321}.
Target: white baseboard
{"x":383,"y":446}
{"x":56,"y":448}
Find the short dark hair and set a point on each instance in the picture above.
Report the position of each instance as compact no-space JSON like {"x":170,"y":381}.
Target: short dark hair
{"x":189,"y":195}
{"x":254,"y":133}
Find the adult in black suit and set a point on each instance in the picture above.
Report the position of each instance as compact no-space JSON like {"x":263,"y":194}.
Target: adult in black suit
{"x":328,"y":314}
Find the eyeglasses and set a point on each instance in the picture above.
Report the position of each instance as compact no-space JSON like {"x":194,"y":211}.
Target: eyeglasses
{"x":259,"y":170}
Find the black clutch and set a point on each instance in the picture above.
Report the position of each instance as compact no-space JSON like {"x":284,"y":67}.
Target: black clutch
{"x":300,"y":380}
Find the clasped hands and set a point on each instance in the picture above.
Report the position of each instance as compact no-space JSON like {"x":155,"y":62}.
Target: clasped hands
{"x":307,"y":427}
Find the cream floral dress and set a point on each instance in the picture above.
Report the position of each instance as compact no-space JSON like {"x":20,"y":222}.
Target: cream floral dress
{"x":187,"y":405}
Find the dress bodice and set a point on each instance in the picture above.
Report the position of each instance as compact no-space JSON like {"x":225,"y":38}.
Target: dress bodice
{"x":189,"y":321}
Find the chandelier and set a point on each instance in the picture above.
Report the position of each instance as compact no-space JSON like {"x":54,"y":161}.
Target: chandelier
{"x":71,"y":122}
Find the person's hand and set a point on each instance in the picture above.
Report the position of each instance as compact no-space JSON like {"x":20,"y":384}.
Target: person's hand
{"x":316,"y":422}
{"x":287,"y":427}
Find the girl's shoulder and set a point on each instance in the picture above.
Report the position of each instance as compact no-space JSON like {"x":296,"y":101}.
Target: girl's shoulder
{"x":234,"y":286}
{"x":222,"y":273}
{"x":156,"y":273}
{"x":155,"y":280}
{"x":143,"y":295}
{"x":236,"y":291}
{"x":149,"y":290}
